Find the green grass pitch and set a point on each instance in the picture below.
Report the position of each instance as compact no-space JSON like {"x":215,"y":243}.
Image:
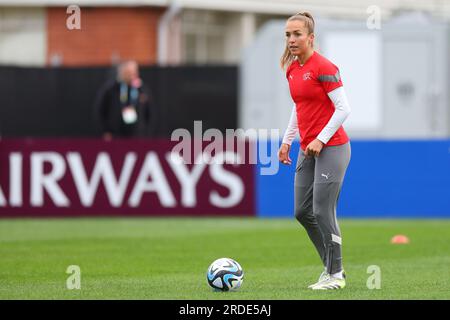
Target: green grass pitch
{"x":167,"y":258}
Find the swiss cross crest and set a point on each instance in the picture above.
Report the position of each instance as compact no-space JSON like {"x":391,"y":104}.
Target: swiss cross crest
{"x":307,"y":76}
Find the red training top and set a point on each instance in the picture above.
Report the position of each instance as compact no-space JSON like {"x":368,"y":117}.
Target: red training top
{"x":309,"y":85}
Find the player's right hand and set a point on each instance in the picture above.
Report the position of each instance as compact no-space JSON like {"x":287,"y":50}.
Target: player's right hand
{"x":283,"y":154}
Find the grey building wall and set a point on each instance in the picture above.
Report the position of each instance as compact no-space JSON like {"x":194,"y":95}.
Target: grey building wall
{"x":396,"y":77}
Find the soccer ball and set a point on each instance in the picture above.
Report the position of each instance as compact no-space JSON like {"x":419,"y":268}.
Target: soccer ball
{"x":225,"y":274}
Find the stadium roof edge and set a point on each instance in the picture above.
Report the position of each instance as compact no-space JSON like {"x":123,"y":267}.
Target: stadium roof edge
{"x":81,"y":3}
{"x":347,"y":9}
{"x":256,"y":6}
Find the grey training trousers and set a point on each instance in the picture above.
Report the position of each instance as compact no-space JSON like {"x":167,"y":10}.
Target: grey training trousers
{"x":318,"y":182}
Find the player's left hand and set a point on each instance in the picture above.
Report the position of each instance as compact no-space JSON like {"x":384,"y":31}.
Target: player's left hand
{"x":314,"y":147}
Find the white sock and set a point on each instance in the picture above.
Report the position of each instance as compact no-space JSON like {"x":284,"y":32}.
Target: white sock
{"x":339,"y":275}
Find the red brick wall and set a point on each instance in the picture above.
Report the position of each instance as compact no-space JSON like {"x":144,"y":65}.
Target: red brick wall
{"x":127,"y":33}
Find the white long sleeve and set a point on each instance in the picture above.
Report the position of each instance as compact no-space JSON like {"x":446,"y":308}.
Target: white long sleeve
{"x":341,"y":112}
{"x":292,"y":128}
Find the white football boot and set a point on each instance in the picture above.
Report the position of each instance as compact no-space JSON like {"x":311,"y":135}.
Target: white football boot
{"x":331,"y":283}
{"x":323,"y":276}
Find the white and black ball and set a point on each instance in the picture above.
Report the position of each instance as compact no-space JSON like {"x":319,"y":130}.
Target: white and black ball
{"x":225,"y":274}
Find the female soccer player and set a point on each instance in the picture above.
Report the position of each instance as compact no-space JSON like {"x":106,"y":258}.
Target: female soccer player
{"x":320,"y":109}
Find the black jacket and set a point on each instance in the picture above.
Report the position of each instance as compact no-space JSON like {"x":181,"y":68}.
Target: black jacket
{"x":109,"y":106}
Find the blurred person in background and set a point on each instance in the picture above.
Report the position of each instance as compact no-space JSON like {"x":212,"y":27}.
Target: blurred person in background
{"x":320,"y":109}
{"x":124,"y":107}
